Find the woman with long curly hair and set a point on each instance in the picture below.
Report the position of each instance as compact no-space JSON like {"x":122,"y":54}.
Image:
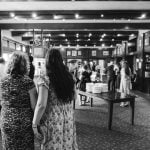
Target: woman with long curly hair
{"x":18,"y":100}
{"x":54,"y":110}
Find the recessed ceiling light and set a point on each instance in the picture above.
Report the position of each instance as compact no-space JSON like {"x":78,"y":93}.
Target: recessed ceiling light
{"x":90,"y":34}
{"x":34,"y":15}
{"x":78,"y":40}
{"x":55,"y":17}
{"x":101,"y":39}
{"x":103,"y":45}
{"x":12,"y":14}
{"x":113,"y":39}
{"x":77,"y":35}
{"x":49,"y":35}
{"x":111,"y":45}
{"x":16,"y":17}
{"x":66,"y":40}
{"x":132,"y":35}
{"x":76,"y":16}
{"x":143,"y":16}
{"x":118,"y":34}
{"x":126,"y":27}
{"x":89,"y":39}
{"x":103,"y":35}
{"x":63,"y":35}
{"x":102,"y":15}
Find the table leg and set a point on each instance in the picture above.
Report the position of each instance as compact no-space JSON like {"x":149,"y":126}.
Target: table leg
{"x":132,"y":104}
{"x":110,"y":105}
{"x":91,"y":102}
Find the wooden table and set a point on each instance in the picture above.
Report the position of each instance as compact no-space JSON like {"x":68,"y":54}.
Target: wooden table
{"x":111,"y":98}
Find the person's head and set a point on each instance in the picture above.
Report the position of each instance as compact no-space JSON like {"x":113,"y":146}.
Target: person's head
{"x":59,"y":76}
{"x":30,"y":59}
{"x":111,"y":62}
{"x":73,"y":65}
{"x":39,"y":64}
{"x":18,"y":64}
{"x":85,"y":67}
{"x":2,"y":61}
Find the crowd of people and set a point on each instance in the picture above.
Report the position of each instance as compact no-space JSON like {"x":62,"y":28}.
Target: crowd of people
{"x":119,"y":76}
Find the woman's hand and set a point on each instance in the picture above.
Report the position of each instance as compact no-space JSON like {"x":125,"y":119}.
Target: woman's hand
{"x":37,"y":134}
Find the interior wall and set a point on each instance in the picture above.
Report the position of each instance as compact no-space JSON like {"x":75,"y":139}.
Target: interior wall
{"x":7,"y":33}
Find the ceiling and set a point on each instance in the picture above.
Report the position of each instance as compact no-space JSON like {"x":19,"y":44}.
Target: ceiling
{"x":72,"y":27}
{"x":74,"y":14}
{"x":103,"y":38}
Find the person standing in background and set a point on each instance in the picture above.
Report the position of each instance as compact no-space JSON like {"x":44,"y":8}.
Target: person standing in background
{"x":18,"y":101}
{"x":125,"y":81}
{"x":32,"y":68}
{"x":117,"y":69}
{"x":110,"y":77}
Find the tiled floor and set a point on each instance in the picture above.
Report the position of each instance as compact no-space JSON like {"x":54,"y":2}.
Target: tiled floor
{"x":92,"y":132}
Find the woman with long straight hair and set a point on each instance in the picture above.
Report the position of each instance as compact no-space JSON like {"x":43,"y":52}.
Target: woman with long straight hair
{"x":54,"y":110}
{"x":125,"y":81}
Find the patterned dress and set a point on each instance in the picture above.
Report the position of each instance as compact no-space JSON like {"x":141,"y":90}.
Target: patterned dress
{"x":16,"y":113}
{"x":58,"y":121}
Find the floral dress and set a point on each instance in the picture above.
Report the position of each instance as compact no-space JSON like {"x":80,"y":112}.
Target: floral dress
{"x":58,"y":121}
{"x":16,"y":113}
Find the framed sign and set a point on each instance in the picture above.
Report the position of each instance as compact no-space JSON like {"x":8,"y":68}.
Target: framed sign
{"x":105,"y":53}
{"x":68,"y":53}
{"x":147,"y":41}
{"x":94,"y":53}
{"x":79,"y":53}
{"x":39,"y":52}
{"x":74,"y":53}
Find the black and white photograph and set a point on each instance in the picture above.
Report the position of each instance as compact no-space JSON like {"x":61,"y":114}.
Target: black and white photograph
{"x":74,"y":74}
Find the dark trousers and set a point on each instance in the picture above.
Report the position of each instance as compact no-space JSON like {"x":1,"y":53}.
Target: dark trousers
{"x":111,"y":84}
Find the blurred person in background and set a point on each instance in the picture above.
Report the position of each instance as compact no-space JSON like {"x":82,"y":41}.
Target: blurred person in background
{"x":125,"y":83}
{"x":54,"y":113}
{"x":85,"y":78}
{"x":18,"y":101}
{"x":110,"y":76}
{"x":117,"y":69}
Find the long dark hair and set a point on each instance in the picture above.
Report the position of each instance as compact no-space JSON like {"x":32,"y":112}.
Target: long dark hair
{"x":59,"y":76}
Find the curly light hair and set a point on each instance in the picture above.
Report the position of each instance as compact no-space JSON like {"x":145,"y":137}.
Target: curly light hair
{"x":18,"y":64}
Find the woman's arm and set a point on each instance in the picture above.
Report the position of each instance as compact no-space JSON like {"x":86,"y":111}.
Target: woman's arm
{"x":33,"y":97}
{"x":41,"y":104}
